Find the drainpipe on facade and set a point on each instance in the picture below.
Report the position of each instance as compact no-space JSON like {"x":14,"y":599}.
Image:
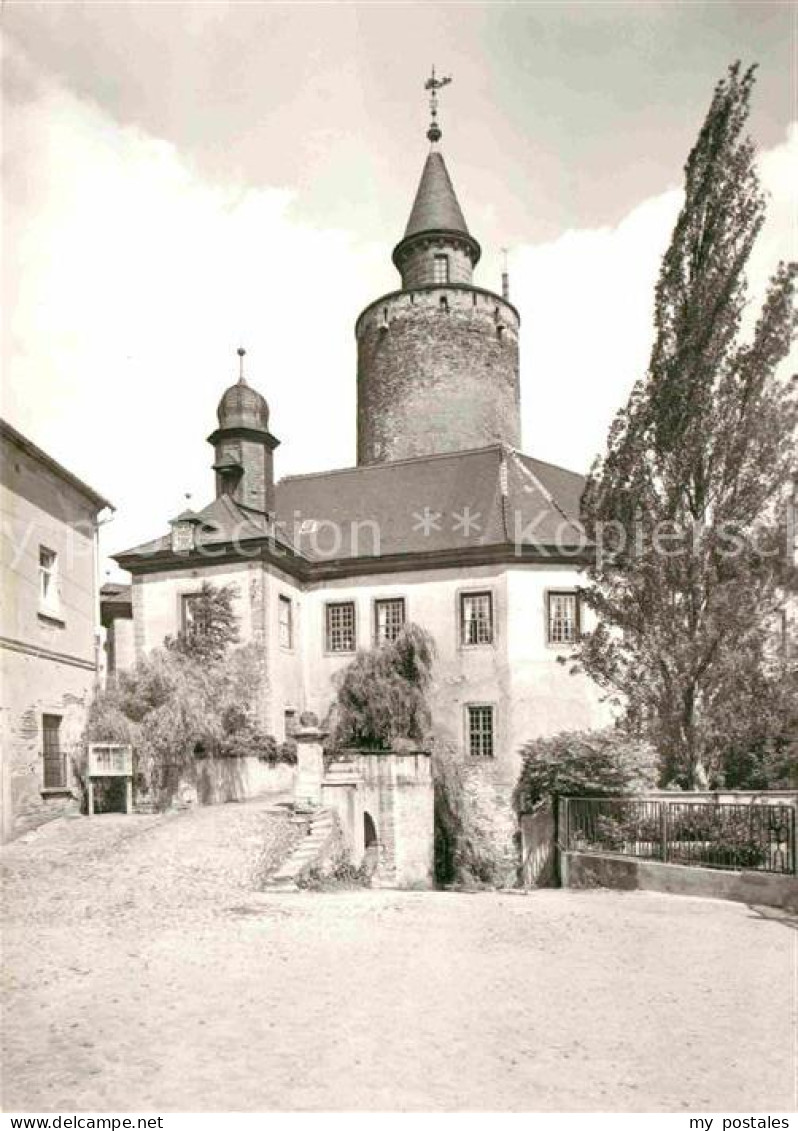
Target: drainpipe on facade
{"x":98,"y":522}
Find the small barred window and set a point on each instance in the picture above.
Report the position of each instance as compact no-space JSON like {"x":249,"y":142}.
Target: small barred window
{"x":480,"y":732}
{"x":340,"y":635}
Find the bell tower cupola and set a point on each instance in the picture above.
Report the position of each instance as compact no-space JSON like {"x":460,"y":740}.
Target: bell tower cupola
{"x":244,"y":446}
{"x":438,"y":359}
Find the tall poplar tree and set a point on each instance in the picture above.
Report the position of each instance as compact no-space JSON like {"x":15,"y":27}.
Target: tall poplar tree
{"x":688,"y":505}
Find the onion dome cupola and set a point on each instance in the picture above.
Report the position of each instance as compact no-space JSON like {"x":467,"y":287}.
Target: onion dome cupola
{"x":243,"y":407}
{"x":244,"y":446}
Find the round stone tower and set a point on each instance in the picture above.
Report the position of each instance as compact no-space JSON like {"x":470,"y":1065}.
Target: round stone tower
{"x":437,"y":360}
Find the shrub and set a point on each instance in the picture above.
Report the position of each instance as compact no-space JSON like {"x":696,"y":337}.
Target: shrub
{"x":173,"y":707}
{"x":584,"y":764}
{"x":339,"y":872}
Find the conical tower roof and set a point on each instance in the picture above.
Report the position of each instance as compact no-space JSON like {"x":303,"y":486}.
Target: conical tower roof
{"x":435,"y":207}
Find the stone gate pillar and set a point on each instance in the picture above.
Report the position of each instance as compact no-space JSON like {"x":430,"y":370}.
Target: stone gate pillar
{"x":310,"y":760}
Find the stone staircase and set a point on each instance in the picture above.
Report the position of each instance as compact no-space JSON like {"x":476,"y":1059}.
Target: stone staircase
{"x":320,"y":828}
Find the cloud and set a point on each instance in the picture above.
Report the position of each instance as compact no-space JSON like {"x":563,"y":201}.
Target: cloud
{"x":131,"y":280}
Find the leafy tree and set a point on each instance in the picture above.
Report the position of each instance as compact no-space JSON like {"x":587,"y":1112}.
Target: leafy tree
{"x":686,"y":507}
{"x":213,"y":627}
{"x":381,"y":696}
{"x":583,"y":764}
{"x":174,"y":706}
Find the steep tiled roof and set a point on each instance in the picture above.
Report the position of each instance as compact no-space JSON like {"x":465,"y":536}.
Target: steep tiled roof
{"x":435,"y":206}
{"x":484,"y":497}
{"x":487,"y":497}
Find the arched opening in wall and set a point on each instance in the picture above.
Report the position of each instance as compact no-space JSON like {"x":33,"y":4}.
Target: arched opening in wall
{"x":444,"y":304}
{"x":369,"y":831}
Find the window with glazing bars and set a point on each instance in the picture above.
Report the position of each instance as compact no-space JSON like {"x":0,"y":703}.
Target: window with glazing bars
{"x":389,"y":619}
{"x":476,"y":618}
{"x":54,"y":769}
{"x":341,"y":627}
{"x":440,"y":269}
{"x":480,"y":732}
{"x":563,"y":618}
{"x":285,"y":622}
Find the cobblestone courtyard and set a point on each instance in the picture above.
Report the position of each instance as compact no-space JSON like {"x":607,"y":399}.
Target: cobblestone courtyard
{"x":143,"y":972}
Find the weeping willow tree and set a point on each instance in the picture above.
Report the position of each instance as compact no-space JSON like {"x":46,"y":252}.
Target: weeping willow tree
{"x":691,"y":491}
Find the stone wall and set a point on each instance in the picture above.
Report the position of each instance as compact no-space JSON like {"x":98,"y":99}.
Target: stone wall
{"x":585,"y":870}
{"x":392,"y":794}
{"x":437,"y":372}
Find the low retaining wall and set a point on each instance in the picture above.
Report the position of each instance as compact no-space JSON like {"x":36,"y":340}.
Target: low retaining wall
{"x":594,"y":869}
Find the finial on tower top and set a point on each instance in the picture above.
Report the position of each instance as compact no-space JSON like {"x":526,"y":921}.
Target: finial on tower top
{"x":433,"y":85}
{"x":241,"y":354}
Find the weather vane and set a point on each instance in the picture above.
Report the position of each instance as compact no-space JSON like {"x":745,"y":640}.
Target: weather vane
{"x":433,"y":85}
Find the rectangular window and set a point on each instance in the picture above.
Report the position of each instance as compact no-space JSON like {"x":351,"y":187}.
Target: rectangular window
{"x":189,"y":608}
{"x":48,"y":578}
{"x":440,"y":268}
{"x":480,"y":732}
{"x":289,"y":723}
{"x":285,"y":612}
{"x":54,"y":769}
{"x":476,"y":618}
{"x":340,"y":628}
{"x":389,"y":619}
{"x":562,"y":617}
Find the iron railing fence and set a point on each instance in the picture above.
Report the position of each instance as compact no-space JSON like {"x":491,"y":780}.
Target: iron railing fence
{"x":751,"y":837}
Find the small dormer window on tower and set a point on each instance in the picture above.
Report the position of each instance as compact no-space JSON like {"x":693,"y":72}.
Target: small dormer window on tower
{"x":440,"y":269}
{"x":184,"y":529}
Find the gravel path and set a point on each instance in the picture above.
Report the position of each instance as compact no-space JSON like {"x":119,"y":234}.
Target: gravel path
{"x":143,"y":972}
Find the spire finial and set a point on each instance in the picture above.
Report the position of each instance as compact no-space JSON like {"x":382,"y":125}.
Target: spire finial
{"x":433,"y":85}
{"x":241,"y":354}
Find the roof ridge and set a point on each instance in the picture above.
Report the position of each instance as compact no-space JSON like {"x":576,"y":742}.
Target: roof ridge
{"x":391,"y":463}
{"x":548,"y":463}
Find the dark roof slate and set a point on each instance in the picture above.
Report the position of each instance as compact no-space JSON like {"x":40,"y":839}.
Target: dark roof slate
{"x":436,"y":206}
{"x":430,"y":504}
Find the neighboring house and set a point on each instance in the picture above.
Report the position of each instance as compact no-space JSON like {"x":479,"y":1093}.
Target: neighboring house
{"x":443,"y":522}
{"x":116,"y":617}
{"x":49,"y":629}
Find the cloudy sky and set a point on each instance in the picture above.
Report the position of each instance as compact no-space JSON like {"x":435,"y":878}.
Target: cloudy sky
{"x":182,"y":178}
